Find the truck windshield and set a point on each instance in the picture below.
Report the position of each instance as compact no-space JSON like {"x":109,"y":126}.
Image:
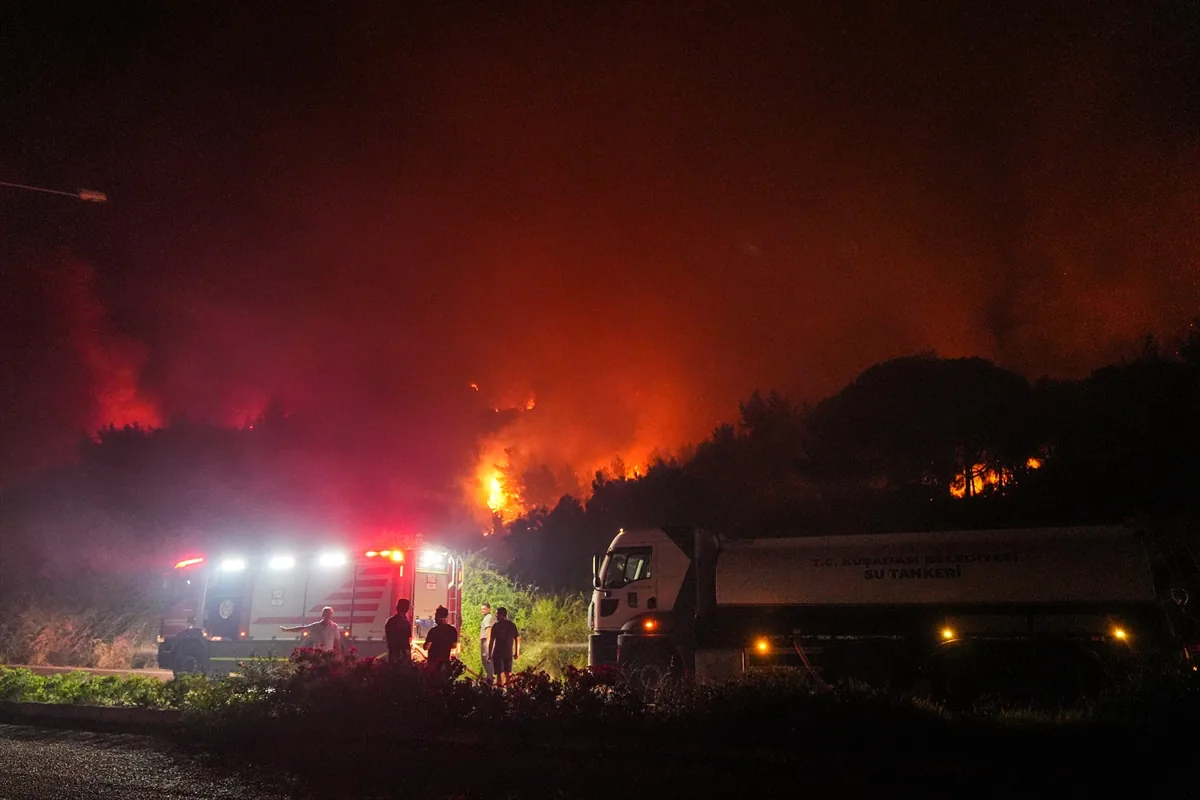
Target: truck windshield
{"x":625,"y":566}
{"x":180,"y":588}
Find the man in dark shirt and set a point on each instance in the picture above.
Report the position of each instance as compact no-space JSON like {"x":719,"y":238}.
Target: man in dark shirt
{"x":398,"y":632}
{"x":441,"y":639}
{"x":504,"y":647}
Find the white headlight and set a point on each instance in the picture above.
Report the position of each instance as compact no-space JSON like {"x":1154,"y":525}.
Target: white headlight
{"x":233,"y":565}
{"x":282,"y":562}
{"x":331,"y":559}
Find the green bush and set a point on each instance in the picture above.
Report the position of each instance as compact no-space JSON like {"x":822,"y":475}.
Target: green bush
{"x":19,"y":685}
{"x":80,"y":688}
{"x":542,"y":620}
{"x":65,"y":687}
{"x":269,"y":708}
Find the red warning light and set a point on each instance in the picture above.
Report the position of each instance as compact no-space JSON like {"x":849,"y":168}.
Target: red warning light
{"x":187,"y":562}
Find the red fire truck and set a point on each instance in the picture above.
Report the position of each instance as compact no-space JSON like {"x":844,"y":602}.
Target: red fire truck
{"x":227,"y":607}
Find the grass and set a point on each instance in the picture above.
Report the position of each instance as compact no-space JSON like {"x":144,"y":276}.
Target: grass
{"x":546,"y":622}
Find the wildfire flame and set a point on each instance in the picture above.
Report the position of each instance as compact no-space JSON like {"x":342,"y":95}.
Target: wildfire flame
{"x":539,"y":456}
{"x":984,"y":477}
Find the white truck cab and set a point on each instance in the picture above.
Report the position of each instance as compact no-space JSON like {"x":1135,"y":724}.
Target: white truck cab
{"x":638,"y":584}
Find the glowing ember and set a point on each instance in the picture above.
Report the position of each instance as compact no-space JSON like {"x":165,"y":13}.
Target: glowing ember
{"x":1034,"y":463}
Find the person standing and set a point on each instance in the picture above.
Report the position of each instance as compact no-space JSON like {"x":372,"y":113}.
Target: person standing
{"x":441,"y":639}
{"x":505,"y":645}
{"x":485,"y":631}
{"x":398,"y":631}
{"x":324,"y":634}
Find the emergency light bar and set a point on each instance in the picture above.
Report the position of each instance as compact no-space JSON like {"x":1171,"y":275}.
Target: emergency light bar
{"x":434,"y":560}
{"x":394,"y":555}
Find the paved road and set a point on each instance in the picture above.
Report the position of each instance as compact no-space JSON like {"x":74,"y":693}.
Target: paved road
{"x":73,"y":765}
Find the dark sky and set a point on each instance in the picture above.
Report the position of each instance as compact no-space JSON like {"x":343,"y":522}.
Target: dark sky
{"x":636,"y":213}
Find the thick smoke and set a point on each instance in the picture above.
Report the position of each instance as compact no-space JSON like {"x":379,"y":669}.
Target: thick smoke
{"x":634,"y":217}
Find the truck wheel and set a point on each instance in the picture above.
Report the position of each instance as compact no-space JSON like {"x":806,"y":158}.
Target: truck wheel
{"x":648,"y":673}
{"x":188,"y":661}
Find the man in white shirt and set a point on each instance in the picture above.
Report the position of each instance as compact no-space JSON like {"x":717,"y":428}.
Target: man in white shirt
{"x":485,"y":632}
{"x":324,"y":634}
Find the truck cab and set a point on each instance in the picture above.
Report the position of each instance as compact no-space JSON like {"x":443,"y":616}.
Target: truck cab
{"x":640,"y":585}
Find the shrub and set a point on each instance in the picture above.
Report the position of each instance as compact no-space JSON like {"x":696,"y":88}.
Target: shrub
{"x":19,"y":685}
{"x":543,"y":620}
{"x":65,"y":687}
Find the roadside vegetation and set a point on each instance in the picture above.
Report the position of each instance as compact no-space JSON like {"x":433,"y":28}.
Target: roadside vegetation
{"x":350,"y":695}
{"x":553,"y":627}
{"x":548,"y":734}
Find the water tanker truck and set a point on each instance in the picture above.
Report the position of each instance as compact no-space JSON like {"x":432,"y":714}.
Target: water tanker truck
{"x":904,"y":608}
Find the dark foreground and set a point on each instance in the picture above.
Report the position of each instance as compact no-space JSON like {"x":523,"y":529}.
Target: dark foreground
{"x":39,"y":763}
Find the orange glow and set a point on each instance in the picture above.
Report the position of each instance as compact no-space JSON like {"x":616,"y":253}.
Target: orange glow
{"x":650,"y":624}
{"x":1119,"y":633}
{"x":371,"y":553}
{"x":947,"y":634}
{"x":762,"y":645}
{"x":543,"y":452}
{"x":397,"y":555}
{"x":113,"y":361}
{"x":187,"y":562}
{"x":496,"y":499}
{"x":982,"y":477}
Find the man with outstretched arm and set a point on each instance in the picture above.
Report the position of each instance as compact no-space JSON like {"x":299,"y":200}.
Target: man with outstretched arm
{"x":324,"y":634}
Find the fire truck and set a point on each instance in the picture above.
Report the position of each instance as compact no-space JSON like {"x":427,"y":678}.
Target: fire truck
{"x":227,"y":607}
{"x":895,"y":607}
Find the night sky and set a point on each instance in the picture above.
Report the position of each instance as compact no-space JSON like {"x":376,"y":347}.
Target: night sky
{"x":632,"y":214}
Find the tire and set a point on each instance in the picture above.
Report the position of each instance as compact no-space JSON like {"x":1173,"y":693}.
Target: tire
{"x":647,"y":673}
{"x":189,"y":661}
